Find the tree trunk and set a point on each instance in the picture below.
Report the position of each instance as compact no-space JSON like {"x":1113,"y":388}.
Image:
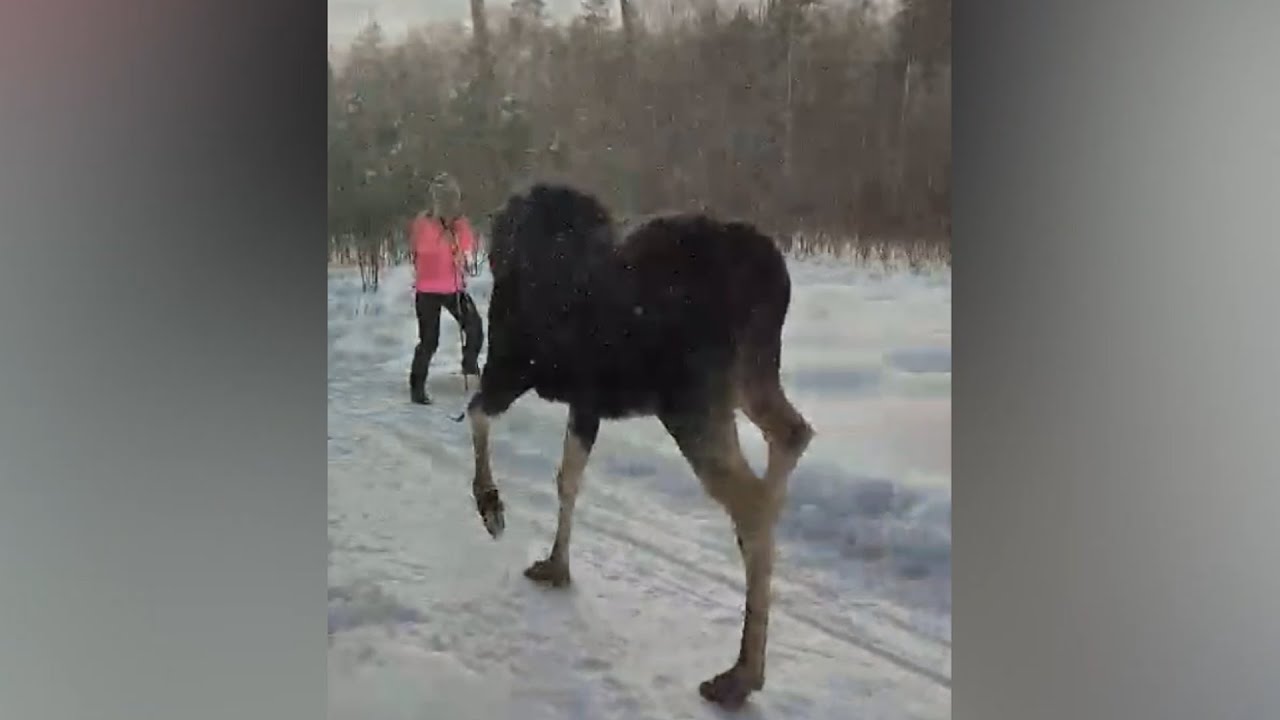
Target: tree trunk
{"x":480,"y":46}
{"x":485,"y":86}
{"x":628,"y":33}
{"x":788,"y":116}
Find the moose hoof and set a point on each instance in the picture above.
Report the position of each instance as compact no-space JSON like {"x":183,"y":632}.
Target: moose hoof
{"x":730,"y":689}
{"x":489,"y":505}
{"x":547,"y":572}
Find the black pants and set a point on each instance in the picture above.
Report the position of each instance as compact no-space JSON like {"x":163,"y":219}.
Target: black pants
{"x":463,"y":310}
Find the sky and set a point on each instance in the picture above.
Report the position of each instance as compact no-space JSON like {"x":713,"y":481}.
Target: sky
{"x":346,"y":17}
{"x":396,"y":17}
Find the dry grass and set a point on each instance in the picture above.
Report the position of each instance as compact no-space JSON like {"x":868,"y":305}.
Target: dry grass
{"x":914,"y":255}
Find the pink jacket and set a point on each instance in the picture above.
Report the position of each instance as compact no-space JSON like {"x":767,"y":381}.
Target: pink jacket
{"x":436,"y":268}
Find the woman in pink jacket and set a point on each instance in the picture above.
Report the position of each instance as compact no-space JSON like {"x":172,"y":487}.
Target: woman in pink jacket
{"x":441,"y":243}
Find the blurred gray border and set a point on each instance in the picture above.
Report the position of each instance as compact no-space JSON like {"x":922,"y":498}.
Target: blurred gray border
{"x":1115,"y":472}
{"x":162,"y":361}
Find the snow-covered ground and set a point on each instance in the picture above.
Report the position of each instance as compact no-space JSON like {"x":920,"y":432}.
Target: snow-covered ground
{"x":430,"y":618}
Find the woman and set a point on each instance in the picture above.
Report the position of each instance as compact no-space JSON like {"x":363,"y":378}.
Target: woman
{"x":442,"y":244}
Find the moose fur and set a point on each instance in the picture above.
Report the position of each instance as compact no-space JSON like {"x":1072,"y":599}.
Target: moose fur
{"x":680,"y":319}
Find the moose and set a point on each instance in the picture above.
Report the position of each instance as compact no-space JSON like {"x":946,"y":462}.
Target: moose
{"x":679,"y":318}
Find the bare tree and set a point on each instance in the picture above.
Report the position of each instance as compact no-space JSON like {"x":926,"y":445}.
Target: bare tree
{"x":822,"y":122}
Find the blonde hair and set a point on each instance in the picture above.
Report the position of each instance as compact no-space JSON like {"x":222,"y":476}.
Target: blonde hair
{"x":446,"y":196}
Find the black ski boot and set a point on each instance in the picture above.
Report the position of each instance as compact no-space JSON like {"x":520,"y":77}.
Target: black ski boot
{"x":417,"y":390}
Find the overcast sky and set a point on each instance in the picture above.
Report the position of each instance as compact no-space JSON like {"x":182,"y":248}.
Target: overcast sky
{"x":346,"y":17}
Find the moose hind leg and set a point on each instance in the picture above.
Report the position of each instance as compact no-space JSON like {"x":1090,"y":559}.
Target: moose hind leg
{"x":785,"y":430}
{"x":579,"y":437}
{"x":710,"y":444}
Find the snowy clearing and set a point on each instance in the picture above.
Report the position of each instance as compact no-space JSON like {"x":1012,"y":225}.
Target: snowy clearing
{"x":430,"y":618}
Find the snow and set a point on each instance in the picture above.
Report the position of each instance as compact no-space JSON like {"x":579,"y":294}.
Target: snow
{"x":429,"y":617}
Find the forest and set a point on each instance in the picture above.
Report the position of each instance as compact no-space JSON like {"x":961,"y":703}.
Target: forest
{"x":826,"y":123}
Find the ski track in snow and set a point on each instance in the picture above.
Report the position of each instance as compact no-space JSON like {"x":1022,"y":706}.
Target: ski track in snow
{"x":429,"y":617}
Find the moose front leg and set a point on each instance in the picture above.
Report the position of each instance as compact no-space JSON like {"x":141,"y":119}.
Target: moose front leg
{"x":579,"y":438}
{"x":499,"y":389}
{"x":488,"y":500}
